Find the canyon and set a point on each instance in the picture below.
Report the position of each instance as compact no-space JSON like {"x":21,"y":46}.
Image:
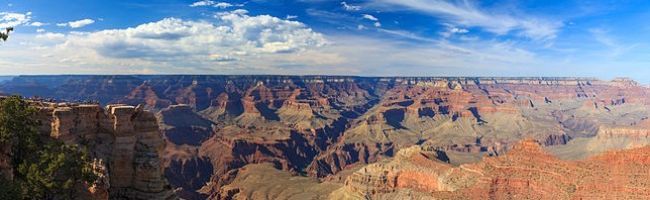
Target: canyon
{"x":346,"y":137}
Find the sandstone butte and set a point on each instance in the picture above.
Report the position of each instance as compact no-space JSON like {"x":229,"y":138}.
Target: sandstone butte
{"x":124,"y":142}
{"x":222,"y":133}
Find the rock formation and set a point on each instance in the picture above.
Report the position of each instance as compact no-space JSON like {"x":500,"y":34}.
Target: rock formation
{"x":525,"y":172}
{"x":325,"y":127}
{"x":123,"y":140}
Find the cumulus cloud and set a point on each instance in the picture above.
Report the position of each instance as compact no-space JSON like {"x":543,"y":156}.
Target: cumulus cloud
{"x":232,"y":40}
{"x":236,"y":42}
{"x":202,"y":3}
{"x":467,"y":14}
{"x":349,"y":7}
{"x":11,"y":19}
{"x":77,"y":24}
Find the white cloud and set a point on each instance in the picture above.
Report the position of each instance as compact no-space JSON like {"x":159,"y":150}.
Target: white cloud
{"x":37,"y":24}
{"x":76,"y":24}
{"x":233,"y":41}
{"x":290,"y":17}
{"x":452,"y":30}
{"x":40,"y":30}
{"x":236,"y":42}
{"x":202,"y":3}
{"x":370,"y":17}
{"x":80,"y":23}
{"x":465,"y":13}
{"x":458,"y":30}
{"x":51,"y":36}
{"x":222,"y":58}
{"x":11,"y":19}
{"x":223,"y":5}
{"x":348,"y":7}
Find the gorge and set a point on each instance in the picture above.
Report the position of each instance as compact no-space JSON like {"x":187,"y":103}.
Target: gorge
{"x":347,"y":137}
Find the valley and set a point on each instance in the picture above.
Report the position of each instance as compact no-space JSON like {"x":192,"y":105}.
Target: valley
{"x":346,"y":137}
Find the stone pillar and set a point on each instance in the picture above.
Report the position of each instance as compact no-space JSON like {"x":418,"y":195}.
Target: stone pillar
{"x":63,"y":125}
{"x":121,"y":167}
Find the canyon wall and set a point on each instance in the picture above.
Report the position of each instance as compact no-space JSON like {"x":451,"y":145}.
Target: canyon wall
{"x":123,"y":140}
{"x":525,"y":172}
{"x":326,"y":126}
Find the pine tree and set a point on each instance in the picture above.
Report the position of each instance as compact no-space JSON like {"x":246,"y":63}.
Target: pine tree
{"x":43,"y":168}
{"x":5,"y":35}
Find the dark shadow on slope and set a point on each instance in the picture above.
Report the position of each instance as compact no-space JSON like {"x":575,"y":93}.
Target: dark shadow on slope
{"x":188,"y":135}
{"x":476,"y":115}
{"x":267,"y":112}
{"x":426,"y":112}
{"x":406,"y":103}
{"x":188,"y":127}
{"x":190,"y":176}
{"x":394,"y":117}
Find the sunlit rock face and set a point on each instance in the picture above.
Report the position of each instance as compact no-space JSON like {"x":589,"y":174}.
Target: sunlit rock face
{"x":124,"y":141}
{"x":525,"y":172}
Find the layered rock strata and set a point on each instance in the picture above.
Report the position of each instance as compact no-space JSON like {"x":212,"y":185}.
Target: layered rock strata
{"x":525,"y":172}
{"x":123,"y":140}
{"x":323,"y":126}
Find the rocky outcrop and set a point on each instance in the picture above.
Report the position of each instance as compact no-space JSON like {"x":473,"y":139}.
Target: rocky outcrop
{"x":336,"y":160}
{"x":634,"y":132}
{"x":412,"y":168}
{"x":124,"y":141}
{"x":525,"y":172}
{"x":557,"y":140}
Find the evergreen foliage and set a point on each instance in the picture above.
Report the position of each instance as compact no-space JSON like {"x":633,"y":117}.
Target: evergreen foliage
{"x":43,"y":168}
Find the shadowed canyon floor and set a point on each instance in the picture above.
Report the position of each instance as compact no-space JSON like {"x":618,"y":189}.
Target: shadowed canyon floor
{"x":320,"y":137}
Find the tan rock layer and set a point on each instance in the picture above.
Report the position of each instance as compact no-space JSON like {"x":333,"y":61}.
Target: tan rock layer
{"x":124,"y":140}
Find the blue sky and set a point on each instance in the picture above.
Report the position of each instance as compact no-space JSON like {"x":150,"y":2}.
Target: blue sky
{"x":603,"y":39}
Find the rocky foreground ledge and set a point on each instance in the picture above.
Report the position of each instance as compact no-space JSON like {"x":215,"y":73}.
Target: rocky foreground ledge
{"x":526,"y":172}
{"x":124,"y":142}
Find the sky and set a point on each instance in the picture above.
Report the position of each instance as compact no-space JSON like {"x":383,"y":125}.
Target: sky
{"x":602,"y":39}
